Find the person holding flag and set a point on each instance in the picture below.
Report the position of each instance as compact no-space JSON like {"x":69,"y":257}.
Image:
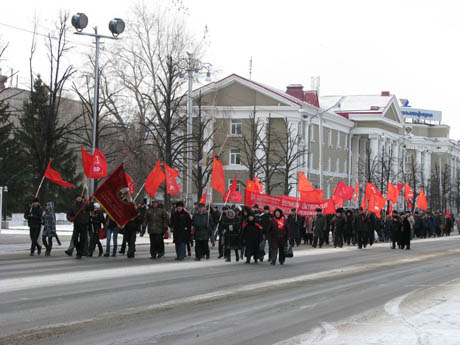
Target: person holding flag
{"x":33,"y":215}
{"x":79,"y":216}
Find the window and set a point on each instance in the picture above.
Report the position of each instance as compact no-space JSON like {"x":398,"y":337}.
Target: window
{"x":329,"y":164}
{"x":235,"y":128}
{"x":338,"y":165}
{"x":345,"y":166}
{"x":238,"y":184}
{"x":235,"y":157}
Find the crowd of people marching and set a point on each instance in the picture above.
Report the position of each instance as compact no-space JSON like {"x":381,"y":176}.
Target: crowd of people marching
{"x":243,"y":231}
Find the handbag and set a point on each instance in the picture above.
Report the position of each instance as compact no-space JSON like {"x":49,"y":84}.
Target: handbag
{"x":288,"y":252}
{"x":102,"y":233}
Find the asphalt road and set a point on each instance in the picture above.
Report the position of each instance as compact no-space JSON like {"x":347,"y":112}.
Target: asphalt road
{"x":60,"y":300}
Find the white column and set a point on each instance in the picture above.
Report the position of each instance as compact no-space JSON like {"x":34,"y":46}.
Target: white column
{"x":374,"y":147}
{"x":427,"y":166}
{"x":418,"y":158}
{"x":355,"y":157}
{"x":293,"y":127}
{"x":396,"y":156}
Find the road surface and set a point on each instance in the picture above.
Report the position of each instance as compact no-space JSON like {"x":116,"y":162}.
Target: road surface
{"x":321,"y":296}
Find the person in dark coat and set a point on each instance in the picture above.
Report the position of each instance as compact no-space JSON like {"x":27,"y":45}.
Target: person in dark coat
{"x":293,"y":222}
{"x":33,"y":215}
{"x":252,"y":235}
{"x":362,"y":229}
{"x":96,"y":223}
{"x":348,"y":232}
{"x":449,"y":225}
{"x":278,"y":236}
{"x":215,"y":214}
{"x":181,"y":223}
{"x":202,"y":226}
{"x":405,"y":232}
{"x":131,"y":230}
{"x":339,"y":228}
{"x":320,"y":229}
{"x":231,"y":231}
{"x":79,"y":215}
{"x":266,"y":220}
{"x":395,"y":230}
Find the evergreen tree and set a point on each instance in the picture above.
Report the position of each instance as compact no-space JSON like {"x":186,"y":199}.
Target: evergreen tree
{"x":42,"y":137}
{"x":11,"y":158}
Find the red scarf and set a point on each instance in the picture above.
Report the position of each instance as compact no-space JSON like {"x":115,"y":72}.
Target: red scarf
{"x":279,"y":222}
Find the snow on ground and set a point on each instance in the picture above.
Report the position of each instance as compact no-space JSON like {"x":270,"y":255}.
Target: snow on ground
{"x":425,"y":316}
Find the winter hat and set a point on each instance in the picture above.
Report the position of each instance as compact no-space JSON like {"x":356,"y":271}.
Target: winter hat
{"x":180,"y":204}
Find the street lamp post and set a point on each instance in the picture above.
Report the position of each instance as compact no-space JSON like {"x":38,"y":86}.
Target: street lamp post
{"x":5,"y":202}
{"x":116,"y":27}
{"x":193,"y":67}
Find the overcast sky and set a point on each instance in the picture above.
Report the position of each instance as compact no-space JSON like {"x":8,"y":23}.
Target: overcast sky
{"x":409,"y":48}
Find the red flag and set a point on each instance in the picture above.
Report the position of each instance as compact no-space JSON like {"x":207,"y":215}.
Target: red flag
{"x":409,"y":204}
{"x":171,"y":180}
{"x":400,"y":187}
{"x":94,"y":165}
{"x":338,"y":201}
{"x":217,"y":176}
{"x":373,"y":199}
{"x":131,"y":185}
{"x":56,"y":177}
{"x":114,"y":197}
{"x":154,"y":180}
{"x":232,"y":194}
{"x":448,"y":214}
{"x":203,"y":197}
{"x":343,"y":191}
{"x":259,"y":186}
{"x":304,"y":185}
{"x":421,"y":201}
{"x":330,"y":208}
{"x":390,"y":209}
{"x":408,"y":192}
{"x":251,"y":186}
{"x":392,"y":193}
{"x":356,"y":191}
{"x":316,"y":195}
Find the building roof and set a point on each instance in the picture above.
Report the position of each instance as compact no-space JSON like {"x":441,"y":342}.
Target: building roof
{"x":356,"y":103}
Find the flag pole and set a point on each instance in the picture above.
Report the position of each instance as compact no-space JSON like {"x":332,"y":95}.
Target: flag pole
{"x":40,"y":186}
{"x":139,"y":192}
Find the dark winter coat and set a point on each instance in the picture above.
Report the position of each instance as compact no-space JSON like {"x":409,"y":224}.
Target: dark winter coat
{"x":202,"y":227}
{"x":340,"y":225}
{"x":278,"y":234}
{"x":294,"y":224}
{"x":83,"y":213}
{"x":157,"y":220}
{"x":361,"y":223}
{"x":320,"y":225}
{"x":252,"y":236}
{"x":96,"y":221}
{"x":33,"y":215}
{"x":181,"y":223}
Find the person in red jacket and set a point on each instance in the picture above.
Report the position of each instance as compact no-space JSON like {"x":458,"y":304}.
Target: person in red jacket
{"x":278,"y":236}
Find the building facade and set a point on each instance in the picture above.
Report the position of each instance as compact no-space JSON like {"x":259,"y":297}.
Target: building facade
{"x":375,"y":138}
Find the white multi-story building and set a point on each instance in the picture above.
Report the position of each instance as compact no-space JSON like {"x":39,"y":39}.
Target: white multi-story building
{"x":347,"y":138}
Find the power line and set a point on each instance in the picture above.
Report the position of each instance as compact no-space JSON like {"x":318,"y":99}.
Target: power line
{"x":43,"y":35}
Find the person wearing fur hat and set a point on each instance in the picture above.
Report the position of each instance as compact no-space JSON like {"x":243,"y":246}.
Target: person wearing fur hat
{"x":180,"y":223}
{"x":202,"y":227}
{"x":33,"y":215}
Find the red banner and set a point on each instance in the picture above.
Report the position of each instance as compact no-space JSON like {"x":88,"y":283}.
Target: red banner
{"x":114,"y":197}
{"x":285,"y":203}
{"x":94,"y":165}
